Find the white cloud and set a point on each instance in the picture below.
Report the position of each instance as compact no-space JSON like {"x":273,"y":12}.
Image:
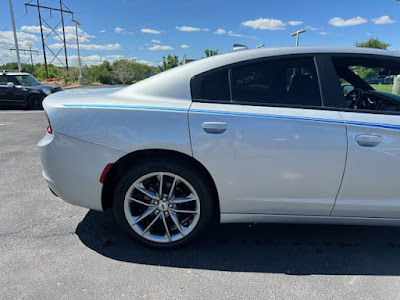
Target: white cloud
{"x":323,"y":33}
{"x":187,"y":28}
{"x":90,"y":46}
{"x":313,"y":28}
{"x":231,"y":33}
{"x":159,"y":47}
{"x":155,"y":41}
{"x":119,"y":29}
{"x":206,"y":29}
{"x":145,"y":62}
{"x":266,"y":24}
{"x":339,"y":22}
{"x":24,"y":40}
{"x":102,"y":31}
{"x":383,"y":20}
{"x":295,"y":23}
{"x":220,"y":31}
{"x":185,"y":46}
{"x":368,"y":34}
{"x":147,"y":30}
{"x":35,"y":29}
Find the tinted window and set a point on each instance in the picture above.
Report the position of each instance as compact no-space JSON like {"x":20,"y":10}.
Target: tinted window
{"x":213,"y":85}
{"x":3,"y":79}
{"x":287,"y":82}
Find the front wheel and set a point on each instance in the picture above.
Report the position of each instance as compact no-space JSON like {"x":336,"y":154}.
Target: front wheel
{"x":163,"y":204}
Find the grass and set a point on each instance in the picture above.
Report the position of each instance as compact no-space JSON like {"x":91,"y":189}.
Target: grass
{"x":386,"y":88}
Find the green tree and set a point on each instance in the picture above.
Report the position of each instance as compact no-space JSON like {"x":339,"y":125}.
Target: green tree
{"x":169,"y":63}
{"x":209,"y":52}
{"x":373,"y":43}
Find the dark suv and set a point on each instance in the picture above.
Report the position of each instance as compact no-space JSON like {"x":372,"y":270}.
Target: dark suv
{"x":23,"y":88}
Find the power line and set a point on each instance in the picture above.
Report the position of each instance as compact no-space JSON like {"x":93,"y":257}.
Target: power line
{"x":63,"y":9}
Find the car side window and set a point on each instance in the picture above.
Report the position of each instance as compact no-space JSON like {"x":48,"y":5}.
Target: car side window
{"x":369,"y":84}
{"x":287,"y":82}
{"x":213,"y":85}
{"x":3,"y":79}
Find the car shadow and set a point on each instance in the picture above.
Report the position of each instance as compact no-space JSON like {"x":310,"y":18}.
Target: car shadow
{"x":268,"y":248}
{"x":14,"y":107}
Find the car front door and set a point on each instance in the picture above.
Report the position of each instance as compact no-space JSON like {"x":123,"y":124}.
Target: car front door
{"x":260,"y":130}
{"x":371,"y":186}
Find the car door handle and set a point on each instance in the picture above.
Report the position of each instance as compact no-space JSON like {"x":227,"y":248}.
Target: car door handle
{"x":214,"y":127}
{"x":368,"y":140}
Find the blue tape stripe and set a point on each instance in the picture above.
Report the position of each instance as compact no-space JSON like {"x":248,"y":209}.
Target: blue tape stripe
{"x":125,"y":106}
{"x":279,"y":117}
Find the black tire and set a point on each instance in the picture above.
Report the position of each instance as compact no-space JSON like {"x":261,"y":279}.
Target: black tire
{"x":190,"y":175}
{"x":35,"y":102}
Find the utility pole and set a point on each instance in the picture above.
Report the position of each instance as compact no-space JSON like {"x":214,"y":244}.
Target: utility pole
{"x":80,"y":78}
{"x":63,"y":9}
{"x":30,"y":50}
{"x":15,"y":34}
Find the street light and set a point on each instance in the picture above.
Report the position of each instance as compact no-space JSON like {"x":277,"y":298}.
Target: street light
{"x":260,"y":46}
{"x":297,"y":33}
{"x":80,"y":78}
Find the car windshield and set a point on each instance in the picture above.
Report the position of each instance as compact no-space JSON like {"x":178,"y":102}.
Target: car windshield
{"x":26,"y":80}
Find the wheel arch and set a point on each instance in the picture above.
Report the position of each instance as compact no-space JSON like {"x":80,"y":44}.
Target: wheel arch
{"x":135,"y":158}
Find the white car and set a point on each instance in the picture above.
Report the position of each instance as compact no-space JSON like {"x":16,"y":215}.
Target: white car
{"x":263,"y":135}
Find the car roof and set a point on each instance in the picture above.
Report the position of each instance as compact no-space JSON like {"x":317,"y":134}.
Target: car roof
{"x":175,"y":83}
{"x":13,"y":73}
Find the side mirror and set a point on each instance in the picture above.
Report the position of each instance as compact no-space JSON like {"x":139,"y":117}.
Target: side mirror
{"x":10,"y":85}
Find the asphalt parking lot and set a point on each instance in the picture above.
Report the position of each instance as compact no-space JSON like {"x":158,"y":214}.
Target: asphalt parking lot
{"x":52,"y":250}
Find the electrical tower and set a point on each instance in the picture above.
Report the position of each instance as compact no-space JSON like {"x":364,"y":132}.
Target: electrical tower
{"x":63,"y":9}
{"x":30,"y":50}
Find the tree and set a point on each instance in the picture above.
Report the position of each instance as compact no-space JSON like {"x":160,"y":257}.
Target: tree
{"x":169,"y":63}
{"x":373,"y":43}
{"x":209,"y":52}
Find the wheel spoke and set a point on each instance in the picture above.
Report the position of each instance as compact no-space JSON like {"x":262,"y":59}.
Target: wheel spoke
{"x":172,"y":189}
{"x":178,"y":200}
{"x":151,"y":224}
{"x":146,"y":192}
{"x":182,"y":211}
{"x":160,"y":194}
{"x":141,"y":202}
{"x":176,"y":221}
{"x":166,"y":227}
{"x":144,"y":215}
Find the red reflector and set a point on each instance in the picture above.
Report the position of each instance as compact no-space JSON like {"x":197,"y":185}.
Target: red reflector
{"x":103,"y":175}
{"x":49,"y":130}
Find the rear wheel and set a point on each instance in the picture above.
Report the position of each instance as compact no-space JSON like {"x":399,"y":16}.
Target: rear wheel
{"x":35,"y":102}
{"x":163,"y":204}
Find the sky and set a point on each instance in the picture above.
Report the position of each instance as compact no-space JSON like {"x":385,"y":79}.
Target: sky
{"x":147,"y":30}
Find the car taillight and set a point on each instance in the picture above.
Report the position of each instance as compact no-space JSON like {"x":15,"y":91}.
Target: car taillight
{"x":49,"y":129}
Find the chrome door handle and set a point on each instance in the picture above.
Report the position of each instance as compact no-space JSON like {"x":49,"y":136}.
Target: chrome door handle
{"x":368,"y":140}
{"x":214,"y":127}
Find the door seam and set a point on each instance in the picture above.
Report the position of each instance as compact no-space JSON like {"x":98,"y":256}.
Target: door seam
{"x":345,"y":164}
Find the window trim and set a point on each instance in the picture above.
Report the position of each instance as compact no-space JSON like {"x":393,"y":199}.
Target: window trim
{"x":261,"y":60}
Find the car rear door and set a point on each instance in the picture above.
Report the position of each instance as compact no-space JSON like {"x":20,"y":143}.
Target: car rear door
{"x":371,"y":185}
{"x":261,"y":130}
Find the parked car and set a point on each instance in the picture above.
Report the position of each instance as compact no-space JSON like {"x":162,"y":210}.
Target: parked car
{"x":24,"y":89}
{"x":261,"y":135}
{"x":378,"y":79}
